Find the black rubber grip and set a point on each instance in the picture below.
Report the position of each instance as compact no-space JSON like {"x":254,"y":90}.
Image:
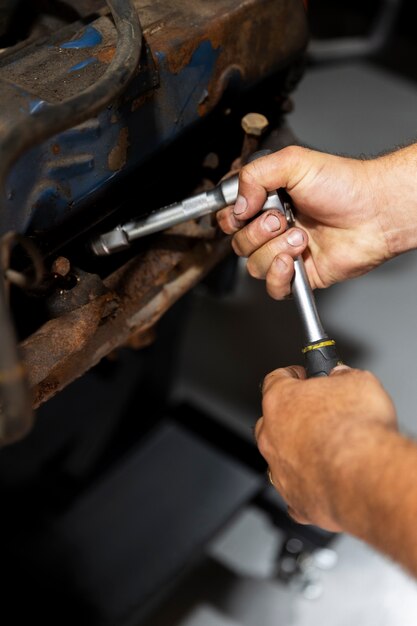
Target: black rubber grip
{"x":321,"y":358}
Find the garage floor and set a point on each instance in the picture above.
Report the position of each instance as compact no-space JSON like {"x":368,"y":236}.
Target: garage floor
{"x":348,"y":109}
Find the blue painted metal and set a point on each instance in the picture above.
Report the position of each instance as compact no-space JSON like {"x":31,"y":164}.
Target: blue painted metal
{"x":37,"y":206}
{"x":181,"y":93}
{"x":36,"y":105}
{"x":82,"y":64}
{"x":90,"y":37}
{"x":168,"y":95}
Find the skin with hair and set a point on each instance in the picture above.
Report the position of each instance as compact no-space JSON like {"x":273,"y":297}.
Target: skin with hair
{"x":332,"y":444}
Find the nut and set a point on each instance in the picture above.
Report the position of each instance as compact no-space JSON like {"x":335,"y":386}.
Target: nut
{"x":254,"y":124}
{"x":61,"y":266}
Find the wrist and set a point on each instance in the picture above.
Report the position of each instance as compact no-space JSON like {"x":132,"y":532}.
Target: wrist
{"x":373,"y":494}
{"x":393,"y":181}
{"x":355,"y":472}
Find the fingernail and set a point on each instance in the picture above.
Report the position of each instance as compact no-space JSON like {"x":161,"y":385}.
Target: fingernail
{"x":281,"y":265}
{"x":272,"y":223}
{"x":240,"y":206}
{"x":295,"y":238}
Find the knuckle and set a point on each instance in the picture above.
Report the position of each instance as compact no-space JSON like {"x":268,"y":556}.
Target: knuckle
{"x":269,"y":398}
{"x":246,"y":174}
{"x":273,"y":290}
{"x":250,"y":235}
{"x":274,"y":247}
{"x":252,"y":174}
{"x":271,"y":287}
{"x":221,"y":215}
{"x":225,"y":227}
{"x":236,"y":245}
{"x":224,"y":222}
{"x":253,"y":269}
{"x":277,"y":286}
{"x":263,"y":444}
{"x":295,"y":154}
{"x":268,"y":379}
{"x":369,"y":378}
{"x":292,"y":152}
{"x":258,"y":428}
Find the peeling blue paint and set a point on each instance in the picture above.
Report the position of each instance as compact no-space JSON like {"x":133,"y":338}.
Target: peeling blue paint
{"x":50,"y":185}
{"x":36,"y":105}
{"x":29,"y":103}
{"x":185,"y":90}
{"x":88,"y":132}
{"x":70,"y":167}
{"x":90,"y":38}
{"x":204,"y":56}
{"x":82,"y":64}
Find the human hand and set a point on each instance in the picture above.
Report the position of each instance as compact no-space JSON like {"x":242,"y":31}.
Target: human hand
{"x":319,"y":435}
{"x":338,"y":227}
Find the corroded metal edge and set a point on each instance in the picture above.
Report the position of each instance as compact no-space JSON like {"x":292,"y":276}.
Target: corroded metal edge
{"x":137,"y":296}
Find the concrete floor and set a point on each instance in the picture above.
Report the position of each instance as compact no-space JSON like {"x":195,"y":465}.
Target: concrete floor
{"x":235,"y":586}
{"x":349,"y":109}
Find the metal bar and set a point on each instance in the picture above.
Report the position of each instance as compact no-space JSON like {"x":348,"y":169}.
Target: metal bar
{"x":306,"y":304}
{"x":138,"y":295}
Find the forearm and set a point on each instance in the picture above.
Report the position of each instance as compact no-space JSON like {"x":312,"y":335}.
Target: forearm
{"x":393,"y":178}
{"x":337,"y":458}
{"x":373,"y":486}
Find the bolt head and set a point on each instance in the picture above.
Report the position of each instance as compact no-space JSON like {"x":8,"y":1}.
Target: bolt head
{"x":254,"y":124}
{"x":61,"y":266}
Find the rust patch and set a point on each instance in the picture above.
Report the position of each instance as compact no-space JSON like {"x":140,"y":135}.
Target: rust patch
{"x":61,"y":266}
{"x":180,"y":58}
{"x":138,"y":102}
{"x":252,"y":38}
{"x":219,"y":23}
{"x":140,"y":292}
{"x":47,"y":388}
{"x":155,"y":28}
{"x":82,"y":323}
{"x":118,"y":155}
{"x":141,"y":339}
{"x":218,"y":86}
{"x":106,"y":54}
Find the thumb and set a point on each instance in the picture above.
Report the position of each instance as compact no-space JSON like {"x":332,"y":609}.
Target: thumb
{"x":340,"y":369}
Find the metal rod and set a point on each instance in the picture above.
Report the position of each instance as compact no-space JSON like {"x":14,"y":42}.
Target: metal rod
{"x":194,"y":207}
{"x":306,"y":305}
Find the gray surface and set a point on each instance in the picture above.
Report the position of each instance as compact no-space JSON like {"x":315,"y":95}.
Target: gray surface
{"x":235,"y":586}
{"x":354,"y":109}
{"x":347,"y":109}
{"x":194,"y":490}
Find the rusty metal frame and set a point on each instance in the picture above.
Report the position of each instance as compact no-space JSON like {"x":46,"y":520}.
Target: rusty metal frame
{"x":236,"y":43}
{"x":136,"y":297}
